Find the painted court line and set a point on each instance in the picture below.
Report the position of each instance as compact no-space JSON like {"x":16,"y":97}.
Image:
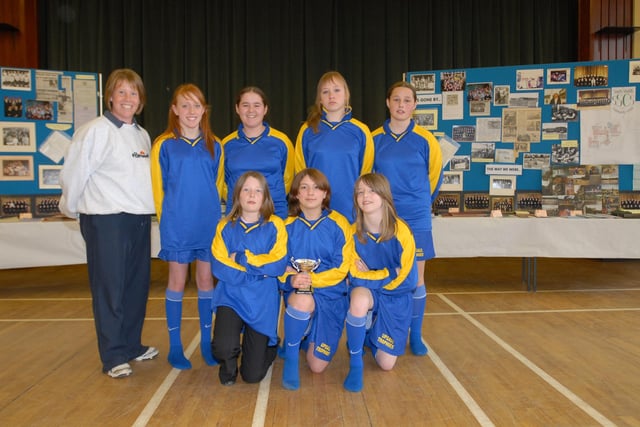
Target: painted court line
{"x":262,"y":401}
{"x":567,"y":310}
{"x":592,"y":412}
{"x":475,"y":409}
{"x":163,"y":389}
{"x":162,"y":319}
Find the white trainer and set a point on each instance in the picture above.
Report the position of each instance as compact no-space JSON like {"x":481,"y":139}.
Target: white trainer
{"x":120,"y":371}
{"x":151,"y":353}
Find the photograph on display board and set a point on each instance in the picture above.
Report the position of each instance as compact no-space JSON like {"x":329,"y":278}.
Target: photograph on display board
{"x":45,"y":206}
{"x":503,"y":204}
{"x":563,"y":154}
{"x":461,"y":133}
{"x":535,"y":160}
{"x":555,"y":131}
{"x":478,"y":202}
{"x":15,"y":79}
{"x":501,"y":95}
{"x":565,"y":113}
{"x":483,"y":151}
{"x":523,"y":100}
{"x":424,"y":83}
{"x":451,"y":181}
{"x":529,"y":79}
{"x":428,"y":119}
{"x":529,"y":201}
{"x":505,"y":155}
{"x":460,"y":163}
{"x":49,"y":176}
{"x":555,"y":96}
{"x":479,"y":108}
{"x":13,"y":107}
{"x":502,"y":185}
{"x":634,"y":71}
{"x":453,"y":81}
{"x":479,"y":91}
{"x":39,"y":110}
{"x":17,"y":137}
{"x":591,"y":75}
{"x":594,"y":97}
{"x":521,"y":147}
{"x":558,"y":76}
{"x":14,"y":205}
{"x":16,"y":168}
{"x":446,"y":201}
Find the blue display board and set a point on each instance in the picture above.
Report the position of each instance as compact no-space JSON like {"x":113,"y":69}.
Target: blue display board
{"x":40,"y":111}
{"x":463,"y":103}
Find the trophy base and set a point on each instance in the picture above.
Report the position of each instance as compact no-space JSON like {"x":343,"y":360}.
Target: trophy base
{"x":308,"y":291}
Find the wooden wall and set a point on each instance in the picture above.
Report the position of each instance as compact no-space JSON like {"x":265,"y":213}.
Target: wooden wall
{"x":19,"y":33}
{"x":606,"y":29}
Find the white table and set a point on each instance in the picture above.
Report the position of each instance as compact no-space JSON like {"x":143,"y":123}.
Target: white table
{"x":45,"y":243}
{"x":531,"y":238}
{"x":554,"y":237}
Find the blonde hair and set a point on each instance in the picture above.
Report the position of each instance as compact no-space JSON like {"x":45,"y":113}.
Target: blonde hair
{"x":379,"y":185}
{"x":266,"y":210}
{"x":124,"y":75}
{"x":315,"y":112}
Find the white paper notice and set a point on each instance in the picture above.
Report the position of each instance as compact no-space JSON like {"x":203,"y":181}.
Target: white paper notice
{"x":449,"y":147}
{"x":609,"y":137}
{"x":56,"y":145}
{"x":85,"y":106}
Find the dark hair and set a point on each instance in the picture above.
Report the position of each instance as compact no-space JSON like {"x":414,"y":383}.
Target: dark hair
{"x":252,"y":89}
{"x":402,"y":84}
{"x":318,"y":178}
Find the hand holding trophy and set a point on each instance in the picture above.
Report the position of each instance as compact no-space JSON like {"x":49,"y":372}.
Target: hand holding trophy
{"x":304,"y":265}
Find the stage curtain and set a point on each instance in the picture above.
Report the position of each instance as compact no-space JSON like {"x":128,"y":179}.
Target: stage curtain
{"x":284,"y":46}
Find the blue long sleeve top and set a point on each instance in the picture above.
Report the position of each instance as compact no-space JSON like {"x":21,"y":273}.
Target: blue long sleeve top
{"x":342,"y":151}
{"x":249,"y":285}
{"x":412,"y":162}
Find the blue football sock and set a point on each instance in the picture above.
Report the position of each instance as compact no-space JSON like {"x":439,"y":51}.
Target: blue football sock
{"x":356,"y":331}
{"x":173,"y":307}
{"x":176,"y":358}
{"x":206,"y":314}
{"x":355,"y":379}
{"x":295,"y":324}
{"x":415,"y":335}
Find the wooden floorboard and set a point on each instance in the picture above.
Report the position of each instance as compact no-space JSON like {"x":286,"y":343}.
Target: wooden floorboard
{"x":566,"y":355}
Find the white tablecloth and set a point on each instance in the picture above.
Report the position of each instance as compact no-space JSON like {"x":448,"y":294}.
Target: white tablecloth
{"x":44,"y":243}
{"x":554,"y":237}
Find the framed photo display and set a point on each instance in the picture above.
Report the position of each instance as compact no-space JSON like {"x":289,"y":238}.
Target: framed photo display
{"x":16,"y":168}
{"x":18,"y":137}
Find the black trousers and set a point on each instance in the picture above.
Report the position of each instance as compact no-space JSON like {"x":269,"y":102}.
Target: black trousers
{"x":119,"y":264}
{"x":257,"y":355}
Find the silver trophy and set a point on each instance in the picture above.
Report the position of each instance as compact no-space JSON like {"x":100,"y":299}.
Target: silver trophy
{"x":304,"y":265}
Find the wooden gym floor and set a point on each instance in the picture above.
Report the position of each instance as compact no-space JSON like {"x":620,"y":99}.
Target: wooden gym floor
{"x":567,"y":355}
